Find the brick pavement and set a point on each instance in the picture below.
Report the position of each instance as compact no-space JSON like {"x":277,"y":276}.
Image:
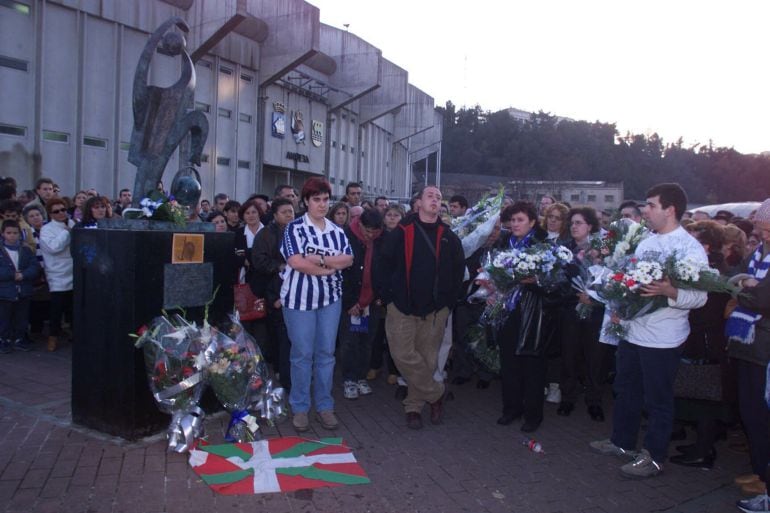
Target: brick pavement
{"x":469,"y":464}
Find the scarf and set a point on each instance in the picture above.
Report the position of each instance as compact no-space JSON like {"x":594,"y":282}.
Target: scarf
{"x":742,"y":322}
{"x":366,"y":296}
{"x":12,"y":247}
{"x":525,"y":242}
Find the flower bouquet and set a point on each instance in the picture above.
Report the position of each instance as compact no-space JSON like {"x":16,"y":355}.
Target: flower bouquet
{"x":620,"y":288}
{"x":158,"y":207}
{"x":504,"y":272}
{"x":236,"y":372}
{"x":478,"y":222}
{"x":173,"y":354}
{"x":621,"y":240}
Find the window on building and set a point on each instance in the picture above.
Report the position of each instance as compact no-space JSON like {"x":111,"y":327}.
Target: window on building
{"x":246,"y":118}
{"x":203,"y":107}
{"x":19,"y":131}
{"x":95,"y":142}
{"x":244,"y":164}
{"x":609,"y":198}
{"x":19,"y":7}
{"x":50,"y":135}
{"x":344,"y":148}
{"x":225,"y":71}
{"x":352,"y":150}
{"x":224,"y":113}
{"x":574,"y":197}
{"x":10,"y":62}
{"x":353,"y":120}
{"x":331,"y":180}
{"x":204,"y":158}
{"x":246,"y":78}
{"x":591,"y":198}
{"x":204,"y":64}
{"x":334,"y":144}
{"x":125,"y":146}
{"x":223,"y":161}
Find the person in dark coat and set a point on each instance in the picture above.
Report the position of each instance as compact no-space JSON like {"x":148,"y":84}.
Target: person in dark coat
{"x":19,"y":270}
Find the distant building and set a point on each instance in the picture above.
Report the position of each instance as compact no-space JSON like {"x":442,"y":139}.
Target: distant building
{"x":578,"y":193}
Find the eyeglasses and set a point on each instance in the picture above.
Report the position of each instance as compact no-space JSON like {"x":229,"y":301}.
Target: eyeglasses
{"x":58,"y":210}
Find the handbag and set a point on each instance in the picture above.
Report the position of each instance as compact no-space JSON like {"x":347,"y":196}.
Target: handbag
{"x":699,"y":379}
{"x":249,"y":306}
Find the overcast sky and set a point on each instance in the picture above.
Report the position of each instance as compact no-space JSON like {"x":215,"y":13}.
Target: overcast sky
{"x":696,"y":69}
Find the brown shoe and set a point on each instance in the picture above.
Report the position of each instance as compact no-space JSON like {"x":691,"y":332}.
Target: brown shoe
{"x":300,"y":421}
{"x":746,"y":479}
{"x":755,"y":488}
{"x":437,"y":411}
{"x":372,"y":374}
{"x":413,"y":420}
{"x":51,"y":343}
{"x":392,"y":379}
{"x":327,"y":419}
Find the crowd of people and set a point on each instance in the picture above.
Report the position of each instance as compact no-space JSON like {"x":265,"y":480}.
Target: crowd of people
{"x":370,"y":284}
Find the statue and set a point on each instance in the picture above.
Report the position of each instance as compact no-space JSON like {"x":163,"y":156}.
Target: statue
{"x":163,"y":116}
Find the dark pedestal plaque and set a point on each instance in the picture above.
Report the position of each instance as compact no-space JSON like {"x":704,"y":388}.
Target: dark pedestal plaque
{"x":123,"y":278}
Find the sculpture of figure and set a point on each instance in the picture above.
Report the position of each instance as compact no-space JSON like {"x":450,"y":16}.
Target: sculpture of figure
{"x":161,"y":114}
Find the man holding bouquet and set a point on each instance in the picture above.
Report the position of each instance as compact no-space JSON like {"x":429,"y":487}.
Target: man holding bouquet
{"x":648,"y":356}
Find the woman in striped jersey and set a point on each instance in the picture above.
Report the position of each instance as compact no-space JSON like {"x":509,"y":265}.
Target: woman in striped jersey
{"x":316,"y":250}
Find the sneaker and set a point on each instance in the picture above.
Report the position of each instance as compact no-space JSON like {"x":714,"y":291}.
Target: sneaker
{"x":327,"y":419}
{"x":351,"y":390}
{"x":554,"y":393}
{"x":300,"y":421}
{"x":21,"y":344}
{"x":607,"y":447}
{"x":5,"y":347}
{"x":758,"y":503}
{"x":363,"y":387}
{"x":642,"y":466}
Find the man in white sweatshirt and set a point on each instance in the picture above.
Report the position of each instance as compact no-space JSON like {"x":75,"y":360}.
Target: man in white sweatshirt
{"x":648,"y":360}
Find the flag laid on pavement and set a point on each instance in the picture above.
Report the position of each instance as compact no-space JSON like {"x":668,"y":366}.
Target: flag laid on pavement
{"x":276,"y":465}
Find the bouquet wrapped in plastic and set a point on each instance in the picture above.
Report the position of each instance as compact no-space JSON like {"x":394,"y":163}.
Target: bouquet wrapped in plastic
{"x":175,"y":363}
{"x":505,"y":270}
{"x":478,"y":223}
{"x":237,"y":373}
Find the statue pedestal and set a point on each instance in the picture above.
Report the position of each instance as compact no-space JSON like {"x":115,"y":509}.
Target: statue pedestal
{"x":123,"y":278}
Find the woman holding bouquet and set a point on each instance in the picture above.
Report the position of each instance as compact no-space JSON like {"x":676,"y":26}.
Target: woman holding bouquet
{"x":316,"y":250}
{"x":580,"y":346}
{"x":522,"y":342}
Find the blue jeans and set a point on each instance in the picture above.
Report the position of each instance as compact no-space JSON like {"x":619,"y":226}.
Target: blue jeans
{"x":644,"y":380}
{"x":313,"y":335}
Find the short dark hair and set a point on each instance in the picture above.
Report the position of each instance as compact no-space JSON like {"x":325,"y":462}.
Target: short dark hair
{"x":221,"y":196}
{"x":630,"y":204}
{"x":123,"y":190}
{"x":278,"y":203}
{"x":589,"y":214}
{"x":371,"y":218}
{"x":52,"y":203}
{"x":7,"y":191}
{"x":10,"y":223}
{"x":205,"y":201}
{"x":378,"y":198}
{"x":280,"y":188}
{"x":352,"y":185}
{"x":88,"y":216}
{"x":12,"y":205}
{"x":460,"y":200}
{"x":231,"y":205}
{"x":41,"y":181}
{"x":33,"y":206}
{"x":671,"y":195}
{"x":522,"y":206}
{"x":259,"y":196}
{"x":246,"y":205}
{"x":315,"y":185}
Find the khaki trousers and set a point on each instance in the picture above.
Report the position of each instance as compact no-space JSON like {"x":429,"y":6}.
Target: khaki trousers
{"x":414,"y":344}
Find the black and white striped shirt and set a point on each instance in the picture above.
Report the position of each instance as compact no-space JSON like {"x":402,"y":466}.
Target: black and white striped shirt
{"x":302,"y":291}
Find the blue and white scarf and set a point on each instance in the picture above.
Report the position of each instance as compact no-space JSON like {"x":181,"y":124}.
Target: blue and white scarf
{"x":741,"y":324}
{"x":513,"y":299}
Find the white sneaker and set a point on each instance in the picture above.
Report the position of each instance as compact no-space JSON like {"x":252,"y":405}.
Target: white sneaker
{"x":760,"y":503}
{"x":554,"y":393}
{"x":363,"y":387}
{"x":351,"y":390}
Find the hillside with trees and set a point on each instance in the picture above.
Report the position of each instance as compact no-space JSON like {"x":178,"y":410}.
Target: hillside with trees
{"x":549,"y":148}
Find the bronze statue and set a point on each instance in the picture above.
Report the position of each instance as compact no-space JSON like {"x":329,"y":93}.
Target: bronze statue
{"x":164,"y":116}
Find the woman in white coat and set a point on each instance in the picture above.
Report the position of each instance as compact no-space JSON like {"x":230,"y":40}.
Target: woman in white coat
{"x":55,"y":245}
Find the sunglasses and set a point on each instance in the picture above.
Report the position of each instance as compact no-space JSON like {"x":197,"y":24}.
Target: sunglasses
{"x":58,"y":210}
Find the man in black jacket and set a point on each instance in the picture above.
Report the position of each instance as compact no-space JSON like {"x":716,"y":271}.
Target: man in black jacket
{"x":420,"y":275}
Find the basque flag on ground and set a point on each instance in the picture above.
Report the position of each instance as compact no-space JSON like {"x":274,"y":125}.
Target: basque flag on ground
{"x":276,"y":465}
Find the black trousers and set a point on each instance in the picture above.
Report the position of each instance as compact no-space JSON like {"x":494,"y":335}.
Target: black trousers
{"x":754,"y":413}
{"x":522,"y":377}
{"x":61,"y":305}
{"x":582,"y":355}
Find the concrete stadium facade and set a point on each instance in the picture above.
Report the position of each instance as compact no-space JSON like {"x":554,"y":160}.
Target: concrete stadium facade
{"x":263,"y":67}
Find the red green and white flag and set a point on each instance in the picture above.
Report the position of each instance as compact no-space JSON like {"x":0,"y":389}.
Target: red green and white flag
{"x":276,"y":465}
